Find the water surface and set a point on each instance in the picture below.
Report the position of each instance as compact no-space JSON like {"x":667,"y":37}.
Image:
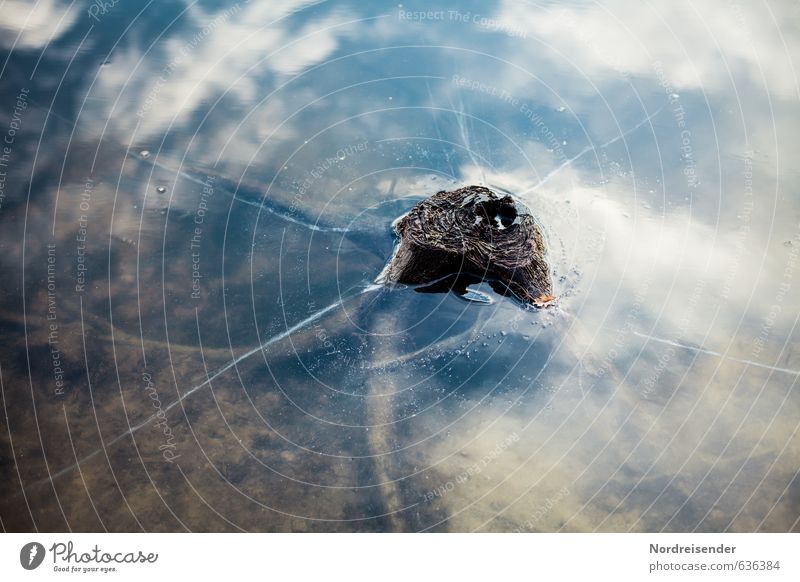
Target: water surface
{"x":198,"y":196}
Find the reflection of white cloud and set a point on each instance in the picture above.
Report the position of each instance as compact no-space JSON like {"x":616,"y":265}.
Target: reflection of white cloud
{"x":690,"y":40}
{"x":35,"y":22}
{"x":230,"y":51}
{"x":623,"y":246}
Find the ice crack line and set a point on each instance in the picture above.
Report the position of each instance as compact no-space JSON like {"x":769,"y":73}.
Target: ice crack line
{"x":589,"y":148}
{"x":717,"y":354}
{"x":262,"y":205}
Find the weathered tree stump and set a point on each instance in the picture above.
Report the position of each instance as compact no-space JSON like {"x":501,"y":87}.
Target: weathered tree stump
{"x":454,"y":239}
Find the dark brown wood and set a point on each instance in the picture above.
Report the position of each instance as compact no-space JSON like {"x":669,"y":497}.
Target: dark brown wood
{"x":454,"y":239}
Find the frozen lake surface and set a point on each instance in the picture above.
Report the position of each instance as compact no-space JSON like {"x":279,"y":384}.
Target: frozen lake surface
{"x":197,"y":198}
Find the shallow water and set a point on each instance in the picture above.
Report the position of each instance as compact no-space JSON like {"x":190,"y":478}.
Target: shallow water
{"x":198,"y":198}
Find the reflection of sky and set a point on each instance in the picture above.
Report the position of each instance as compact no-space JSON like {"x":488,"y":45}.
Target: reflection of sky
{"x":656,"y":144}
{"x":28,"y":25}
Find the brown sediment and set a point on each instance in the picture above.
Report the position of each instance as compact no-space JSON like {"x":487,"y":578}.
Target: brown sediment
{"x":380,"y":415}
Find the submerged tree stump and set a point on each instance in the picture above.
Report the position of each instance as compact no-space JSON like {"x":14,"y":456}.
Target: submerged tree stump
{"x":454,"y":239}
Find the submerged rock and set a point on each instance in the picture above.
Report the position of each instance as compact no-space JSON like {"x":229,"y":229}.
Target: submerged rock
{"x":455,"y":239}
